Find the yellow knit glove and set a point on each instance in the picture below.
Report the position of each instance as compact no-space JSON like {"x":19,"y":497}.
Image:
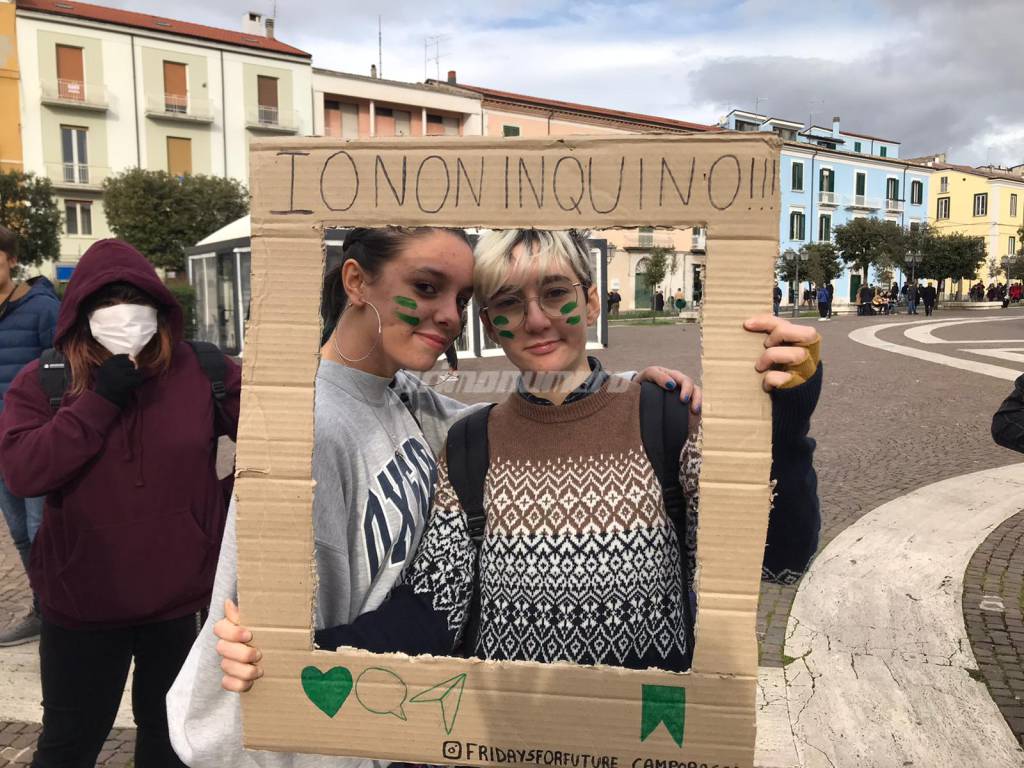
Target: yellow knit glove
{"x":802,"y":371}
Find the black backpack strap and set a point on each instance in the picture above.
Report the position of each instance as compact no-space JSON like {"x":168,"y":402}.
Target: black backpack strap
{"x":212,"y":361}
{"x":664,"y":427}
{"x":54,"y":376}
{"x":468,"y":455}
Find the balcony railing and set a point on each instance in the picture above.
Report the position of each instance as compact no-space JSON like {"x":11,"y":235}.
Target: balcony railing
{"x":272,"y":119}
{"x":75,"y":93}
{"x":862,"y":201}
{"x":177,"y":106}
{"x":828,"y":198}
{"x":896,"y":206}
{"x":76,"y":176}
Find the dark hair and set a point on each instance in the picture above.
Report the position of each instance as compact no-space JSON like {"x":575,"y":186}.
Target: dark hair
{"x":8,"y":242}
{"x":371,"y":249}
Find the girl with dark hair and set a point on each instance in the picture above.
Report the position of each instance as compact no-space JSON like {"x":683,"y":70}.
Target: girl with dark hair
{"x":394,"y":305}
{"x":123,"y":563}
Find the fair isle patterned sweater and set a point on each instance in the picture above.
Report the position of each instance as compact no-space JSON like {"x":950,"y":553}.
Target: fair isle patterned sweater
{"x":579,"y":561}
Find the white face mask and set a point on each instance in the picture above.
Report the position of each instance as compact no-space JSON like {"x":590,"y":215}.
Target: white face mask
{"x":123,"y":329}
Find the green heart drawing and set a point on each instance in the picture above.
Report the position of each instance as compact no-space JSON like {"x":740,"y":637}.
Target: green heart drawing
{"x":327,"y":690}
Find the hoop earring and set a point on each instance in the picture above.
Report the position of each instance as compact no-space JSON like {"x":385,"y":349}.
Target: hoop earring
{"x":376,"y":342}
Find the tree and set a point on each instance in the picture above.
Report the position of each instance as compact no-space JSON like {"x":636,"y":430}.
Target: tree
{"x":29,"y":209}
{"x":822,"y":264}
{"x":865,"y":243}
{"x":657,"y":268}
{"x":162,"y":215}
{"x":955,"y":255}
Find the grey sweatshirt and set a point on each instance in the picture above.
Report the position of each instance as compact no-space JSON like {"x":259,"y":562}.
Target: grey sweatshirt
{"x":374,"y":467}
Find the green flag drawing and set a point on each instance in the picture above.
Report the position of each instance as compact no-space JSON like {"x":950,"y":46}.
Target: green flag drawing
{"x":663,"y":704}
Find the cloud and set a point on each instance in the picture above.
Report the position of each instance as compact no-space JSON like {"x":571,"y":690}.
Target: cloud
{"x":938,"y":75}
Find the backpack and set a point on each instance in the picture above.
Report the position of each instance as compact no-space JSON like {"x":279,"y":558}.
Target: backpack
{"x":664,"y":426}
{"x":54,"y":376}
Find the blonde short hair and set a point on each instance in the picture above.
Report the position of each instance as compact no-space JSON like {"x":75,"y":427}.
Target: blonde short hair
{"x":495,"y":258}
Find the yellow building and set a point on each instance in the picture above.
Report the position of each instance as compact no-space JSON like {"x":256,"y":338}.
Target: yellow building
{"x":10,"y":124}
{"x":984,"y":202}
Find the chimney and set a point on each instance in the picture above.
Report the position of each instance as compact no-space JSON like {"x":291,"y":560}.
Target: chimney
{"x":373,"y":71}
{"x":451,"y":77}
{"x":270,"y":29}
{"x":835,"y":127}
{"x":252,"y":24}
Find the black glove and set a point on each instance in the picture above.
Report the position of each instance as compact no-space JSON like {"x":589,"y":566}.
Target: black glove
{"x":116,"y":379}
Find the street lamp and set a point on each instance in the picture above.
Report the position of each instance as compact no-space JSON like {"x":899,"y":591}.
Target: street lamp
{"x":913,"y":259}
{"x":796,"y":257}
{"x":1008,"y":261}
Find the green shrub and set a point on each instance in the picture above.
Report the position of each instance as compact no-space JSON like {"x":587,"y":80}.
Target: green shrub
{"x":186,"y":296}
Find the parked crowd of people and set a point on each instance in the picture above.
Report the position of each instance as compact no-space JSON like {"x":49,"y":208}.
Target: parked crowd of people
{"x":109,"y":427}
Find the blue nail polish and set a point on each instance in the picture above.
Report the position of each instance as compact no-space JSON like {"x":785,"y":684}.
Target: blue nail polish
{"x":686,"y":398}
{"x":697,"y":409}
{"x":671,"y":384}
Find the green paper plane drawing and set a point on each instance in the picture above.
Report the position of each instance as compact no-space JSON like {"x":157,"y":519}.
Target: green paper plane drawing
{"x":449,"y":695}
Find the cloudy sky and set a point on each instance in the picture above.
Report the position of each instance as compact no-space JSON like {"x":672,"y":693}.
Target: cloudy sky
{"x":940,"y":75}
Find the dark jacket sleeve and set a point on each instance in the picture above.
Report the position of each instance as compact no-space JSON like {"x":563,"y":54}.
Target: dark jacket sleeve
{"x":795,"y":519}
{"x":47,"y":323}
{"x":227,"y":414}
{"x":40,"y":450}
{"x":1008,"y":421}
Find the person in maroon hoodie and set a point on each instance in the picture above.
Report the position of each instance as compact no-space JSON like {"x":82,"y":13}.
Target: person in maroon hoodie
{"x":124,"y":560}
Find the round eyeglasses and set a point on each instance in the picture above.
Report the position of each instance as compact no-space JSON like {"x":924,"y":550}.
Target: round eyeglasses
{"x":559,"y":299}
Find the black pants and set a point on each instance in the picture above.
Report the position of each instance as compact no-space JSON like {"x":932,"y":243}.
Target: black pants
{"x":823,"y":308}
{"x":83,"y":675}
{"x":928,"y":308}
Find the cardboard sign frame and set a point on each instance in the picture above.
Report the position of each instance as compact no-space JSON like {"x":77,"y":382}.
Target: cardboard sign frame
{"x":467,"y":711}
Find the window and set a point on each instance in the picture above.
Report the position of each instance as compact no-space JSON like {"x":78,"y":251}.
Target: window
{"x":860,"y":184}
{"x":438,"y":125}
{"x":1011,"y":246}
{"x":341,"y":119}
{"x":796,"y":225}
{"x":266,"y":94}
{"x":944,"y":185}
{"x":175,"y":88}
{"x":797,"y":184}
{"x":645,"y":237}
{"x":824,"y":228}
{"x":883,"y":151}
{"x":510,"y":130}
{"x":827,"y":180}
{"x":856,"y":146}
{"x":179,"y":156}
{"x":392,"y":122}
{"x":70,"y":73}
{"x":942,"y":209}
{"x":892,"y":189}
{"x":77,"y":217}
{"x":1013,"y":205}
{"x":981,"y":204}
{"x":75,"y":155}
{"x":916,"y":192}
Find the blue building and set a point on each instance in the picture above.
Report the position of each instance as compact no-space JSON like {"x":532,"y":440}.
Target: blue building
{"x":830,"y":176}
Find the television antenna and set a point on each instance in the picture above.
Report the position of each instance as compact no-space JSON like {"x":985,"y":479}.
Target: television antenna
{"x":433,"y":42}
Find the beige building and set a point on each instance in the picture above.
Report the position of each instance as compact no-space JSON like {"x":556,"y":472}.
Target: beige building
{"x":104,"y":90}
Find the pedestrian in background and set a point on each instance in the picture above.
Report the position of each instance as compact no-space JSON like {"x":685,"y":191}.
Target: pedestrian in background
{"x":911,"y":299}
{"x":831,"y":295}
{"x":28,"y":315}
{"x":124,"y":560}
{"x":823,"y":303}
{"x":927,"y":295}
{"x":776,"y":299}
{"x":614,"y":299}
{"x":659,"y":301}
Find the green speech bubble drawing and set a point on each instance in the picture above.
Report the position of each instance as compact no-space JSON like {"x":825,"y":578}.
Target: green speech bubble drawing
{"x":327,"y":690}
{"x":382,"y":692}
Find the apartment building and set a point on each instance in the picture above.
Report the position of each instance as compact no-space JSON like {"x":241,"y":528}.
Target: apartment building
{"x":10,"y":76}
{"x":986,"y":202}
{"x":103,"y":90}
{"x":830,"y":176}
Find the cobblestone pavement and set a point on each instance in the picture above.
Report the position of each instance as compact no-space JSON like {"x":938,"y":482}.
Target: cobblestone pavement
{"x":886,"y":424}
{"x":993,"y":603}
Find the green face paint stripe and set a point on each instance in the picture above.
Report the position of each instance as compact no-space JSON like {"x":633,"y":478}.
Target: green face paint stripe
{"x":506,"y":334}
{"x":500,"y":320}
{"x":568,"y":308}
{"x":574,"y":320}
{"x":408,"y":318}
{"x":405,"y":302}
